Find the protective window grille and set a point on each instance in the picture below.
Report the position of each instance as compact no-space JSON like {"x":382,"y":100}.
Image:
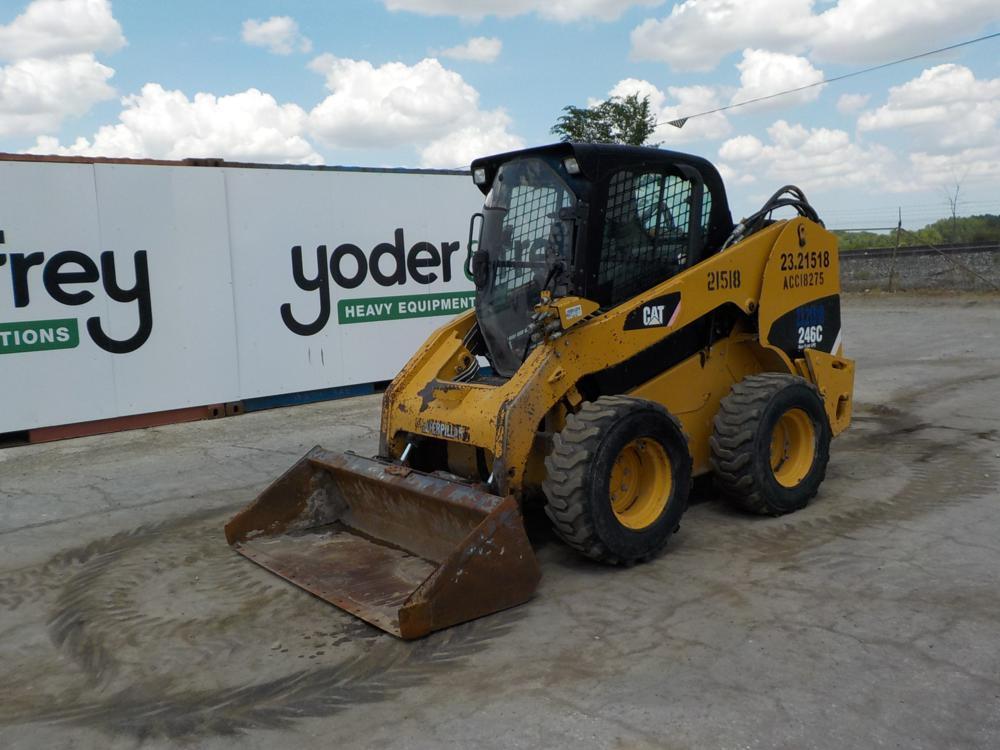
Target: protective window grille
{"x":531,"y":228}
{"x":645,"y":233}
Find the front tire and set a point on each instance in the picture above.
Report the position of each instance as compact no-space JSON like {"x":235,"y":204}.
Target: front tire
{"x":617,"y":480}
{"x":771,"y":443}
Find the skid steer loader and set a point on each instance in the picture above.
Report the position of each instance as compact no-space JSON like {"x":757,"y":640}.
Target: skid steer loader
{"x":636,"y":338}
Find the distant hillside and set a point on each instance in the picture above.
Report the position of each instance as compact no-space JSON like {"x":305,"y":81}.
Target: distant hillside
{"x":965,"y":229}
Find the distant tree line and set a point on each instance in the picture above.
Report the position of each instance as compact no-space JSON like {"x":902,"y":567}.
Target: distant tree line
{"x":961,"y":230}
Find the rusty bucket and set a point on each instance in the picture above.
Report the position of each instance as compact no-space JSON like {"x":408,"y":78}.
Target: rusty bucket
{"x":407,"y":551}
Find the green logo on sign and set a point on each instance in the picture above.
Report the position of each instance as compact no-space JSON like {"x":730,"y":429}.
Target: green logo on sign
{"x":38,"y":336}
{"x":374,"y":309}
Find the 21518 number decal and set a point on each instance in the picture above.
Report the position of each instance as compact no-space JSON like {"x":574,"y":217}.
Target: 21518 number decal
{"x":723,"y":280}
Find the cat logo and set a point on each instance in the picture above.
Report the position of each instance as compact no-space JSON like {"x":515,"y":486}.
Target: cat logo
{"x":658,"y":312}
{"x":652,"y":315}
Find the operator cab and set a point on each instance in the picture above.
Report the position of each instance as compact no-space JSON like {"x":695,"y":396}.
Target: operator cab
{"x":603,"y":222}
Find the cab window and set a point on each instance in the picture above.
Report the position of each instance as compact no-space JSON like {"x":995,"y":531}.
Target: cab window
{"x":646,"y":235}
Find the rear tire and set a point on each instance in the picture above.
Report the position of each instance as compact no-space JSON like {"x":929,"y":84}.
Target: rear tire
{"x":617,"y":480}
{"x":771,"y":443}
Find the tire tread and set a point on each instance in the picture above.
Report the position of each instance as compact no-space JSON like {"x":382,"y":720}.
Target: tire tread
{"x":736,"y":427}
{"x":565,"y":485}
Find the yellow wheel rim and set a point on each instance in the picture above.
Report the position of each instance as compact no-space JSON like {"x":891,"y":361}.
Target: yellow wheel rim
{"x":793,"y":447}
{"x":641,"y":481}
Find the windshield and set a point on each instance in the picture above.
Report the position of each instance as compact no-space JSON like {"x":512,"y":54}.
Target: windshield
{"x":529,"y":248}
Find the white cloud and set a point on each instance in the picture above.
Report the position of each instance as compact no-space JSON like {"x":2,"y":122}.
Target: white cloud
{"x":425,"y":105}
{"x":741,"y":148}
{"x":813,"y":158}
{"x":164,"y":124}
{"x":951,"y":121}
{"x":763,"y":73}
{"x":484,"y":49}
{"x":460,"y":147}
{"x":279,"y":34}
{"x":556,"y":10}
{"x":818,"y":159}
{"x":967,"y":165}
{"x":692,"y":100}
{"x":698,"y":34}
{"x":850,"y":103}
{"x":52,"y":73}
{"x":394,"y":102}
{"x":642,"y":88}
{"x":871,"y":31}
{"x":36,"y":94}
{"x":731,"y":177}
{"x":945,"y":107}
{"x":52,"y":28}
{"x":676,"y":102}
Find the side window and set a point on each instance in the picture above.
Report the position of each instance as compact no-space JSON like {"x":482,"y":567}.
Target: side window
{"x":706,"y":210}
{"x":645,"y":239}
{"x":529,"y":235}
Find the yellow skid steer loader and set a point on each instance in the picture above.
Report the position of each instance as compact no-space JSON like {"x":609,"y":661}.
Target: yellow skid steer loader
{"x":636,"y":338}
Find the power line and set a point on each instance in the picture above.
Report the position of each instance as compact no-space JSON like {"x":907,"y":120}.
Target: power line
{"x":918,"y":208}
{"x":910,"y":206}
{"x":679,"y":122}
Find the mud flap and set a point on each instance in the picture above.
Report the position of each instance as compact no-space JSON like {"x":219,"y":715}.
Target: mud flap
{"x":406,"y":551}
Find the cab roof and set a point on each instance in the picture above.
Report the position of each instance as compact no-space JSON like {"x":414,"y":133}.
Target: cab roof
{"x":597,"y":160}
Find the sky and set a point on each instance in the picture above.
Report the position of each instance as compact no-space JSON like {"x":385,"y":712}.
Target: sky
{"x":435,"y":83}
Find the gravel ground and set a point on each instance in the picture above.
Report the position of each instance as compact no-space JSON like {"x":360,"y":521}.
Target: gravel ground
{"x":869,"y":619}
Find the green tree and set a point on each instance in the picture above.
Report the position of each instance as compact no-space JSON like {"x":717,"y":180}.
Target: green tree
{"x":981,"y":228}
{"x":628,"y":120}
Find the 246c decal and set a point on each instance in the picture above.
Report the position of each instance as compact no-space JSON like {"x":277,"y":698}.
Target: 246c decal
{"x":809,"y":321}
{"x":814,"y":325}
{"x":810,"y":336}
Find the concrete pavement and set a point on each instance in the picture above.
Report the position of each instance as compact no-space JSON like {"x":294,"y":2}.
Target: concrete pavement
{"x":869,"y":619}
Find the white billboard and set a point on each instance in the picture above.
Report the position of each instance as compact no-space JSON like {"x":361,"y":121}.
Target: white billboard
{"x":322,"y":262}
{"x":134,"y":288}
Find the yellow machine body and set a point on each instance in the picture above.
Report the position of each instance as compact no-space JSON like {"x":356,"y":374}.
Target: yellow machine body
{"x":430,"y":533}
{"x":507,"y":419}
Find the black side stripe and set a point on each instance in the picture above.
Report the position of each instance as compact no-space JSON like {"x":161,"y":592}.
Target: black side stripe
{"x":669,"y":351}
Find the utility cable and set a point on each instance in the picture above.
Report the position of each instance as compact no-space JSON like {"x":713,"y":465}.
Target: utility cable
{"x":679,"y":122}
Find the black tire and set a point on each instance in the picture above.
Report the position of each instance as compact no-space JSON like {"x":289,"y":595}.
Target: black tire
{"x":743,"y":454}
{"x":579,"y":470}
